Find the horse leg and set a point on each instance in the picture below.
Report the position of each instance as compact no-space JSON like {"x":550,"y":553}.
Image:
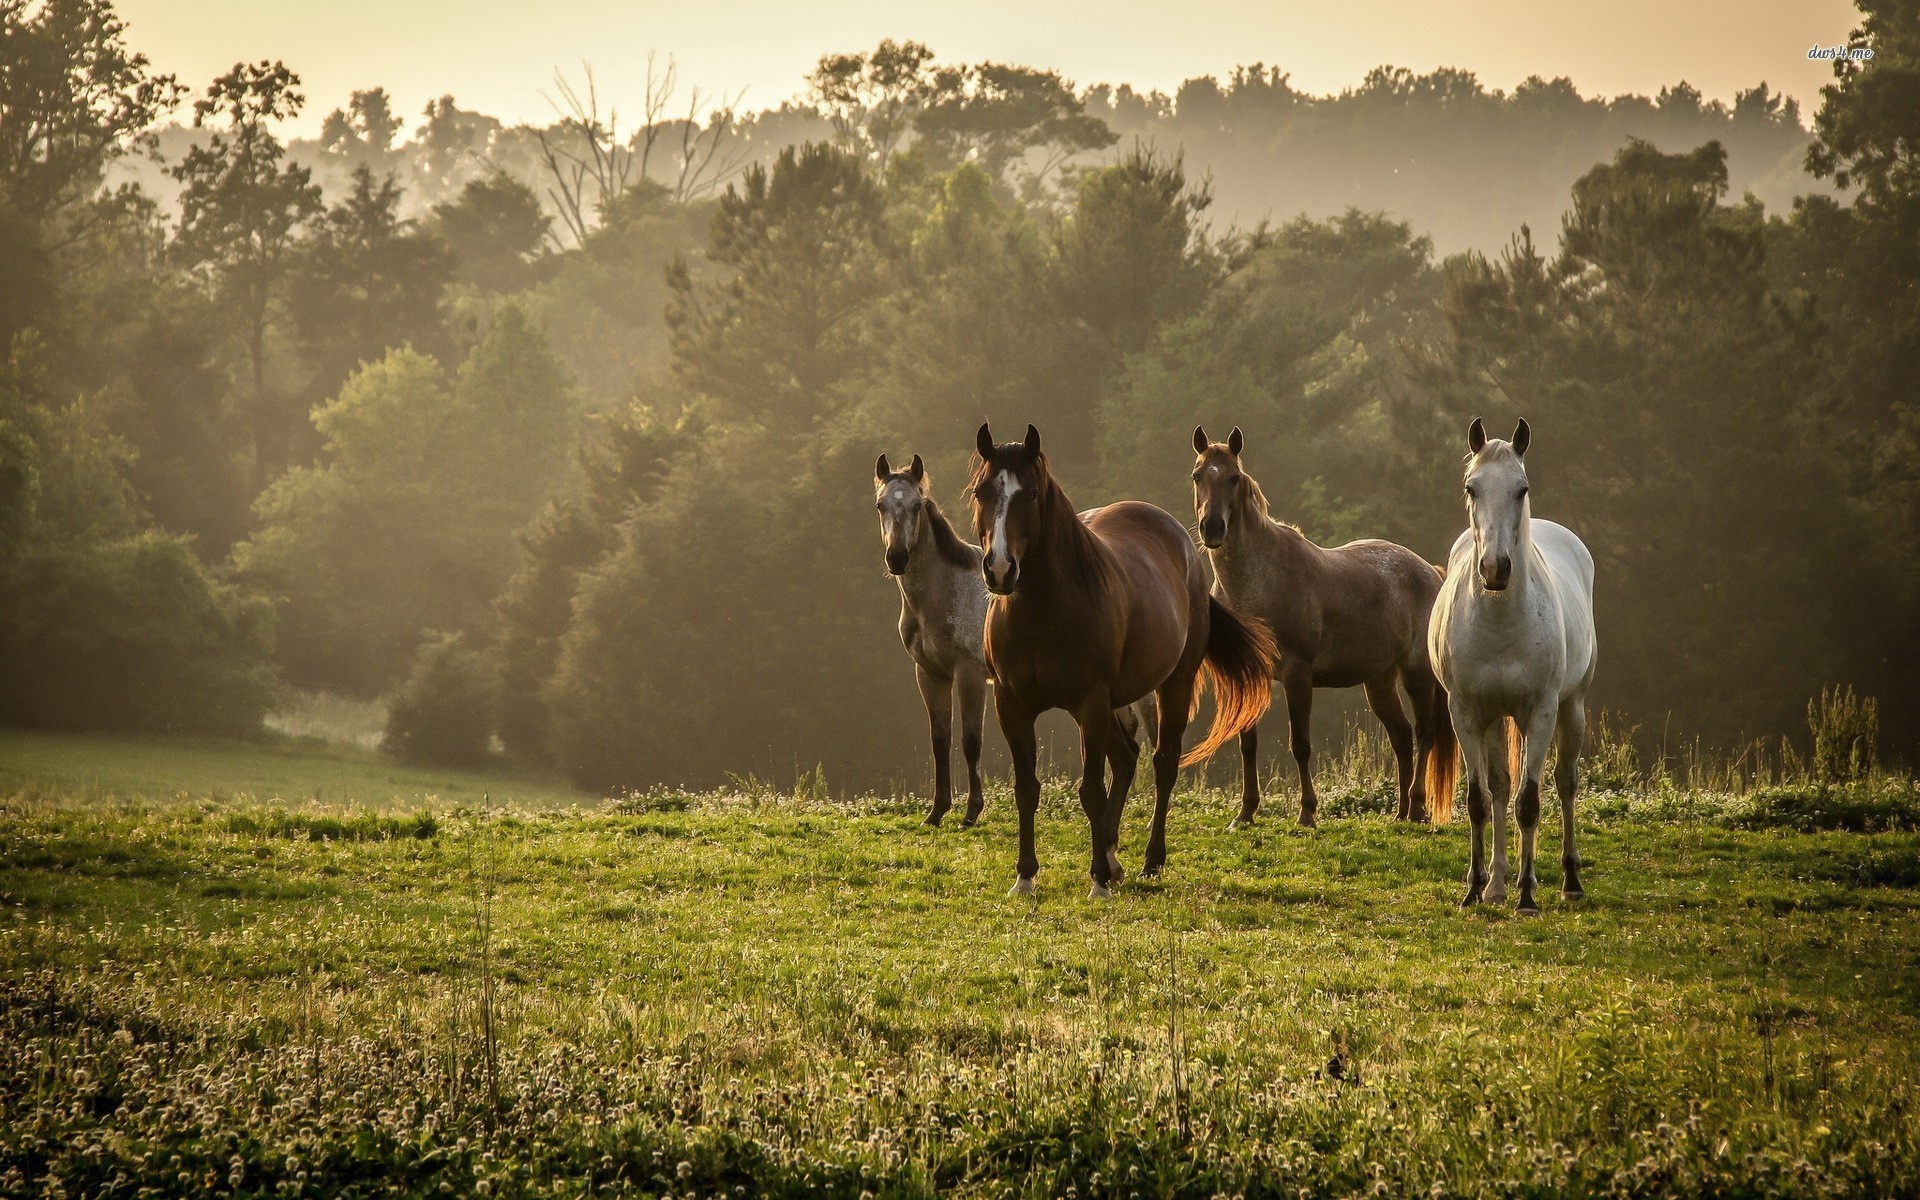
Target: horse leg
{"x":937,"y":692}
{"x":1420,"y":691}
{"x":1573,"y":741}
{"x":1473,"y":748}
{"x":1527,"y":807}
{"x":1498,"y":781}
{"x":1096,"y":722}
{"x":1299,"y":688}
{"x":1016,"y":725}
{"x":1249,"y":775}
{"x":971,"y":679}
{"x":1384,"y":698}
{"x":1123,"y":756}
{"x":1175,"y":700}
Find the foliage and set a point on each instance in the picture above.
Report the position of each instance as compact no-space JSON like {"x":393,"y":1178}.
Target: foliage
{"x":443,"y":715}
{"x":240,"y":213}
{"x":494,"y":233}
{"x":104,"y":625}
{"x":365,"y":280}
{"x":73,"y":97}
{"x":407,"y":525}
{"x":1846,"y":735}
{"x":1675,"y":378}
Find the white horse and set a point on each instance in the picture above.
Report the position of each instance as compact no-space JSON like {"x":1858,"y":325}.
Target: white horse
{"x":1512,"y":640}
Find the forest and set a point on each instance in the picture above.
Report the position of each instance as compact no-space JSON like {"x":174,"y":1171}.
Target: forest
{"x":557,"y":440}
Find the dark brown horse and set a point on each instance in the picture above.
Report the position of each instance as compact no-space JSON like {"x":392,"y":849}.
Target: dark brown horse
{"x":1091,"y":613}
{"x":1345,"y":617}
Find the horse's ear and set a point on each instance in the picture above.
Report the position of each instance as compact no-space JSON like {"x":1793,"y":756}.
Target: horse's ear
{"x":917,"y":469}
{"x":1522,"y":436}
{"x":1476,"y":435}
{"x":881,"y":470}
{"x":1033,"y":442}
{"x":1200,"y":442}
{"x":1235,"y":441}
{"x":984,"y":443}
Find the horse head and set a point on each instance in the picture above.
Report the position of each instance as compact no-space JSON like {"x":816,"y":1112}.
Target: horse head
{"x":901,"y":497}
{"x":1497,"y":510}
{"x":1009,"y":490}
{"x":1219,"y":485}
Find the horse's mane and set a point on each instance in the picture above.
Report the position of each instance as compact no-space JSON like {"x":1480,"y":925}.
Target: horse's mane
{"x":1072,"y":549}
{"x":1256,"y":498}
{"x":949,"y":543}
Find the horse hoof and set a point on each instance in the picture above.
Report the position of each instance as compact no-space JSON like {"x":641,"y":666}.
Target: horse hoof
{"x":1099,"y":892}
{"x":1022,"y":887}
{"x":1469,"y":900}
{"x":1150,"y":871}
{"x":973,"y":815}
{"x":1572,"y":894}
{"x":1493,"y":897}
{"x":933,"y":820}
{"x":1115,"y":874}
{"x":1527,"y":908}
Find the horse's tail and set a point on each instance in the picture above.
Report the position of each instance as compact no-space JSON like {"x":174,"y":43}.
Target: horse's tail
{"x":1443,"y":759}
{"x":1239,"y":667}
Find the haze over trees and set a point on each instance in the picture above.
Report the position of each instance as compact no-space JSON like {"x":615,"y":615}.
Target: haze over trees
{"x":578,"y":420}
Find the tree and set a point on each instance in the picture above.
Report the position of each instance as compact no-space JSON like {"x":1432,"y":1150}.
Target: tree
{"x":873,"y":99}
{"x":1682,"y":449}
{"x":362,"y":133}
{"x":72,"y":98}
{"x":495,"y":232}
{"x":241,"y":212}
{"x":997,"y":114}
{"x":364,"y":281}
{"x":806,"y":244}
{"x":407,"y":523}
{"x":103,"y":623}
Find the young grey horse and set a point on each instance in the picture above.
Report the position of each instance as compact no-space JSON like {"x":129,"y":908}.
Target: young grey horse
{"x":943,"y":612}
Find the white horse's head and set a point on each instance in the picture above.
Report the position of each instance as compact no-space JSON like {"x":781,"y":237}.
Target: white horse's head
{"x":1497,"y":509}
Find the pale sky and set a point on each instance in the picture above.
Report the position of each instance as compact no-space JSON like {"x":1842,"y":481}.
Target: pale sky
{"x":498,"y":56}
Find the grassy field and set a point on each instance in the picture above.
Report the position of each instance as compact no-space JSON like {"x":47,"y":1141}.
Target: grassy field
{"x":272,"y":971}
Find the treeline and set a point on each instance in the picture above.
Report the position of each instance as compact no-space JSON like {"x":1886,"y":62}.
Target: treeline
{"x":588,"y":471}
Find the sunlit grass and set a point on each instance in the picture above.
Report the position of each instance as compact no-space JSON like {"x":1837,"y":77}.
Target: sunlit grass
{"x":774,"y":991}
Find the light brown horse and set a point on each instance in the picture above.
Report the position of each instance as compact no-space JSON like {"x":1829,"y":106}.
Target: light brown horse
{"x":1091,"y":613}
{"x":1345,"y":617}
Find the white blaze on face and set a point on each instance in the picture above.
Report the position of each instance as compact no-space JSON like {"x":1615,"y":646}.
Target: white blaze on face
{"x":998,"y":560}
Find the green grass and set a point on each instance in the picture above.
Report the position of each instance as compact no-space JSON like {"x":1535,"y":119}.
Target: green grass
{"x":205,"y":989}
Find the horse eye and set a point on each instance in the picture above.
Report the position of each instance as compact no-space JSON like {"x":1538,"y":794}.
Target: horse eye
{"x":1196,"y":475}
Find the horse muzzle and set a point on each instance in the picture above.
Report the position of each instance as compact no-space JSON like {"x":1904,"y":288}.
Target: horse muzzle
{"x":1002,"y":583}
{"x":1496,"y":574}
{"x":897,"y":562}
{"x":1213,"y":531}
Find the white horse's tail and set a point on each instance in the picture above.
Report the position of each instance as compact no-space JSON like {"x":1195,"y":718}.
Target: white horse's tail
{"x":1509,"y":744}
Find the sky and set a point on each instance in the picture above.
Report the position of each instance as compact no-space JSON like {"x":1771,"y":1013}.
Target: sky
{"x":499,"y":56}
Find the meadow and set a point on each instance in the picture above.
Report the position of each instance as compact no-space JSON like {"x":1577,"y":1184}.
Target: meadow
{"x":279,"y":970}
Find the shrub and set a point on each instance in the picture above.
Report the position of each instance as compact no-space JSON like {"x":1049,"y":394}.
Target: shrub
{"x":443,"y":714}
{"x":1879,"y":805}
{"x":1846,"y":735}
{"x":131,"y":634}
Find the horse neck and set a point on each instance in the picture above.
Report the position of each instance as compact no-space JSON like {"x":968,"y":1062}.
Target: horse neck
{"x":1072,"y":553}
{"x":1260,"y":550}
{"x":925,"y":583}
